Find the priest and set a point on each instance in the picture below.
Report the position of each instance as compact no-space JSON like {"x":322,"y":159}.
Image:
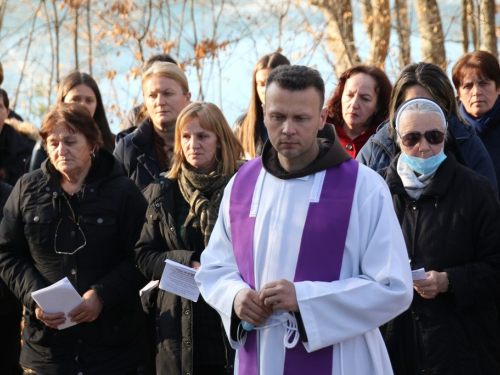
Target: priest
{"x":307,"y":258}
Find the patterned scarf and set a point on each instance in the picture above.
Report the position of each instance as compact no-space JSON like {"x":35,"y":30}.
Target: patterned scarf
{"x":195,"y":188}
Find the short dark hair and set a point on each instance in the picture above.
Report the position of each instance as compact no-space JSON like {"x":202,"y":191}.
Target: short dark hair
{"x":76,"y":117}
{"x":383,"y":89}
{"x":482,"y":62}
{"x":5,"y":98}
{"x":152,"y":59}
{"x":297,"y":78}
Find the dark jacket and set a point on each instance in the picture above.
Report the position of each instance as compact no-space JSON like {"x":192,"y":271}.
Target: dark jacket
{"x":16,"y":142}
{"x":111,"y":213}
{"x":137,"y":154}
{"x":177,"y":325}
{"x":378,"y":152}
{"x":453,"y":227}
{"x":8,"y":302}
{"x":491,"y":140}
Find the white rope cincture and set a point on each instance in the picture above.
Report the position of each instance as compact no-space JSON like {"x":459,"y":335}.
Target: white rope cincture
{"x":287,"y":319}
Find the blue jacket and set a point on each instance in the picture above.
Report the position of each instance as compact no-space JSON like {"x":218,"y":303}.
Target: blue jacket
{"x":378,"y":152}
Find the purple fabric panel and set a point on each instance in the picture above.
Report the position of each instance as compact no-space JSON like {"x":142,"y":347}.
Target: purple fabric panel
{"x":242,"y":228}
{"x":321,"y":253}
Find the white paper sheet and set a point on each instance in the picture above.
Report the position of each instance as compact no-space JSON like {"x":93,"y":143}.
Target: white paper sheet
{"x":144,"y":292}
{"x":179,"y":279}
{"x":418,"y":274}
{"x":59,"y":297}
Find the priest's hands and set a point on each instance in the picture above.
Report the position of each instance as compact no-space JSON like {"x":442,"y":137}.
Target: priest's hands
{"x":88,"y":310}
{"x":280,"y":295}
{"x":249,"y":307}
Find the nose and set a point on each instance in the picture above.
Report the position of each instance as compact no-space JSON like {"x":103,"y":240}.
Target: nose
{"x":423,"y":145}
{"x":62,"y":148}
{"x":355,"y":101}
{"x":475,"y":89}
{"x":159,"y":100}
{"x":288,"y":128}
{"x":193,"y":143}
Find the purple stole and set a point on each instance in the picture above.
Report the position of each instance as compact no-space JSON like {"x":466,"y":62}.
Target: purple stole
{"x":320,"y":255}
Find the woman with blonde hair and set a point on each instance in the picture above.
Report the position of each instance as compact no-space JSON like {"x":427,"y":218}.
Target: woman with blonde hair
{"x":182,"y":210}
{"x":147,"y":152}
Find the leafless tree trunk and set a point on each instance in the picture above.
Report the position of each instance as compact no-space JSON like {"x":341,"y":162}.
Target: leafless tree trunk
{"x":56,"y":31}
{"x":340,"y":32}
{"x":3,"y":6}
{"x":52,"y":56}
{"x":472,"y":12}
{"x":403,"y":30}
{"x":381,"y":34}
{"x":487,"y":19}
{"x":465,"y":27}
{"x":75,"y":35}
{"x":30,"y":39}
{"x":366,"y":7}
{"x":431,"y":32}
{"x":89,"y":29}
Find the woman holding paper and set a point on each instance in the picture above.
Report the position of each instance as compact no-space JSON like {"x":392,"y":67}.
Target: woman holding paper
{"x":450,"y":218}
{"x":77,"y":218}
{"x":182,"y":211}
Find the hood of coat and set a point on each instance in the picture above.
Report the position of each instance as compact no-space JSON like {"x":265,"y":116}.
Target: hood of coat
{"x":24,"y":128}
{"x":331,"y":153}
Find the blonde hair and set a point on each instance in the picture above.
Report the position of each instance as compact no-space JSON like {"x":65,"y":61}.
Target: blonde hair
{"x":167,"y":70}
{"x":211,"y":119}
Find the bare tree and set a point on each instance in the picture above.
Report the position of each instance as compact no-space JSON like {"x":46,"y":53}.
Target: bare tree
{"x":90,"y":41}
{"x":465,"y":26}
{"x":403,"y":31}
{"x":381,"y":34}
{"x":338,"y":14}
{"x":3,"y":6}
{"x":431,"y":32}
{"x":488,"y":27}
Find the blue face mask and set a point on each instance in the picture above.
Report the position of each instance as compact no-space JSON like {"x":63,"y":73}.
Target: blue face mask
{"x":424,"y":166}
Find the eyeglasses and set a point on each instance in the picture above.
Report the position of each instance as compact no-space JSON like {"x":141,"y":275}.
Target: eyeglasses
{"x":81,"y":232}
{"x":434,"y":137}
{"x":72,"y":218}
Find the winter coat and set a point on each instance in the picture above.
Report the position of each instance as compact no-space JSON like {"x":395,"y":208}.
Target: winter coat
{"x":137,"y":154}
{"x":16,"y":143}
{"x":110,"y":212}
{"x":8,"y":302}
{"x":454,"y":227}
{"x":378,"y":152}
{"x":491,"y":140}
{"x":175,"y":316}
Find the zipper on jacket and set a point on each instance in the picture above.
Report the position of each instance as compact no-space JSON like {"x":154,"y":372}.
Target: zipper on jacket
{"x":416,"y":323}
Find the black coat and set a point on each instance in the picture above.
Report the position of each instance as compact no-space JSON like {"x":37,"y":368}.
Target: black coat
{"x":8,"y":302}
{"x":111,"y":213}
{"x":175,"y":316}
{"x":137,"y":154}
{"x":491,"y":140}
{"x":15,"y":154}
{"x":454,"y":227}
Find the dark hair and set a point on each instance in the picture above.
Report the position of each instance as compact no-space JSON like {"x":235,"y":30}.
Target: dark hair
{"x":432,"y":78}
{"x":484,"y":63}
{"x":1,"y":74}
{"x":383,"y":89}
{"x":76,"y":117}
{"x":152,"y":59}
{"x":5,"y":98}
{"x":78,"y":78}
{"x":251,"y":127}
{"x":298,"y":78}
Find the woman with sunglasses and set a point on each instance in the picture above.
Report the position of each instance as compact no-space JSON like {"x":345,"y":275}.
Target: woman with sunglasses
{"x":429,"y":81}
{"x":77,"y":217}
{"x":450,"y":219}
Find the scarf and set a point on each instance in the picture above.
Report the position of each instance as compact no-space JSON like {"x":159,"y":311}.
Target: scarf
{"x":481,"y":123}
{"x":413,"y":185}
{"x":195,"y":188}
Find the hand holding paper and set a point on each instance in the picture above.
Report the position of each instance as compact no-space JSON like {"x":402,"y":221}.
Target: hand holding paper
{"x":59,"y":298}
{"x":179,"y":279}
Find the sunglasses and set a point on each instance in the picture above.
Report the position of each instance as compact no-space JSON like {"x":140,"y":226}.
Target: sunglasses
{"x":434,"y":137}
